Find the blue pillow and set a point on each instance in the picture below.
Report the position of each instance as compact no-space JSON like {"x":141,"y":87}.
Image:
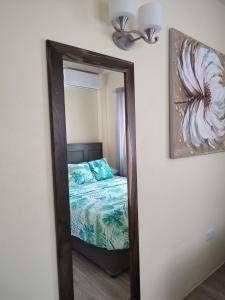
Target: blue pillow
{"x":71,"y":180}
{"x":101,"y":169}
{"x":114,"y":171}
{"x":80,"y":174}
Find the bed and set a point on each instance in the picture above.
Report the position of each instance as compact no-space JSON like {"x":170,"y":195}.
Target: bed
{"x":108,"y":247}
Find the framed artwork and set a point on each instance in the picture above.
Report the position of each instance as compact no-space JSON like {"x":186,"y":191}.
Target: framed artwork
{"x":197,"y":97}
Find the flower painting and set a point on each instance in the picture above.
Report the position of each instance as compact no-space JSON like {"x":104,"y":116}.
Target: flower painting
{"x":197,"y":97}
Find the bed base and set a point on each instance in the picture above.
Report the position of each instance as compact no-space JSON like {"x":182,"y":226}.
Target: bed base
{"x":113,"y":262}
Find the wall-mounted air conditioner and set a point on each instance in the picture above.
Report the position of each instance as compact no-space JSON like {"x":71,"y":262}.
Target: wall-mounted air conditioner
{"x":82,"y":79}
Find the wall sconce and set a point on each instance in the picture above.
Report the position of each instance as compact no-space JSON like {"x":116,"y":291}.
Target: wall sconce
{"x":149,"y":22}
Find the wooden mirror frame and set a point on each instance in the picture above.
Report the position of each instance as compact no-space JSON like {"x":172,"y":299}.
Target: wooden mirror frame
{"x":56,"y":53}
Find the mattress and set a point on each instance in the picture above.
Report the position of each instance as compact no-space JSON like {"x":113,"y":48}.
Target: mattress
{"x":99,"y":213}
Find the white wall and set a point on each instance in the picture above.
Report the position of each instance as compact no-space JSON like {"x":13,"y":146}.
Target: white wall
{"x":178,"y":199}
{"x":81,"y":107}
{"x":108,"y":115}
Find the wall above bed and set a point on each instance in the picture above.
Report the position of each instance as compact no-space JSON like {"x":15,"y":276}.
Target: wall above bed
{"x":81,"y":107}
{"x":91,"y":114}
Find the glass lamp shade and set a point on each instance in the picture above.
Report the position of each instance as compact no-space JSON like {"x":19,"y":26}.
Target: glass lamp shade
{"x":150,"y":16}
{"x":122,"y":8}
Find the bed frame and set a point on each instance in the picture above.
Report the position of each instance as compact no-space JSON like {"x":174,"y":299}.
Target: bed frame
{"x":113,"y":262}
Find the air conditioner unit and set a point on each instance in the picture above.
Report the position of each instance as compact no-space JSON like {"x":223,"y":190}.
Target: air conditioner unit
{"x":75,"y":78}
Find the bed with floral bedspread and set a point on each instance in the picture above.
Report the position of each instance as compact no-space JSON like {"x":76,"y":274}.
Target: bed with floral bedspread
{"x":99,"y":213}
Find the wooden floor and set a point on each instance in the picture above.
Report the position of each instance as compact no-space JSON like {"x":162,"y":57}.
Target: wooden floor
{"x":91,"y":283}
{"x":212,"y":289}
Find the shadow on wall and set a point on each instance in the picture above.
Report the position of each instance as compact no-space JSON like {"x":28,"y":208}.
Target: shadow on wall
{"x":222,"y":1}
{"x":184,"y":270}
{"x":102,"y":11}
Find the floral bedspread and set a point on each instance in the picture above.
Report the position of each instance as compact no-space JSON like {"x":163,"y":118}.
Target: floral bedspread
{"x":99,"y":213}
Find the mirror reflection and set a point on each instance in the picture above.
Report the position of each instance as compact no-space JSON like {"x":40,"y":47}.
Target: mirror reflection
{"x":97,"y":170}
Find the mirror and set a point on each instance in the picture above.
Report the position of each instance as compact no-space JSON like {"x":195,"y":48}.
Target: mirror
{"x":94,"y":167}
{"x":97,"y":168}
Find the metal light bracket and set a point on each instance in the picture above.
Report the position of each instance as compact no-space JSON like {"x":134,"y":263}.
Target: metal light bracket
{"x":126,"y":39}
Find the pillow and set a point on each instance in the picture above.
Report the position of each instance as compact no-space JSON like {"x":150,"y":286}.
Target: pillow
{"x":80,"y":174}
{"x":71,"y":180}
{"x":114,"y":171}
{"x":101,"y":169}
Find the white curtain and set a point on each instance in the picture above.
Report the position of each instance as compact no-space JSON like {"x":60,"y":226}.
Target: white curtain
{"x":121,"y":132}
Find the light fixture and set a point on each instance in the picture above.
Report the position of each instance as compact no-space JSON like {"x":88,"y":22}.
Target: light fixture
{"x":149,"y":22}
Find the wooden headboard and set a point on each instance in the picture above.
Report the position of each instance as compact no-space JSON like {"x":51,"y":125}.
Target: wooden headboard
{"x":77,"y":153}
